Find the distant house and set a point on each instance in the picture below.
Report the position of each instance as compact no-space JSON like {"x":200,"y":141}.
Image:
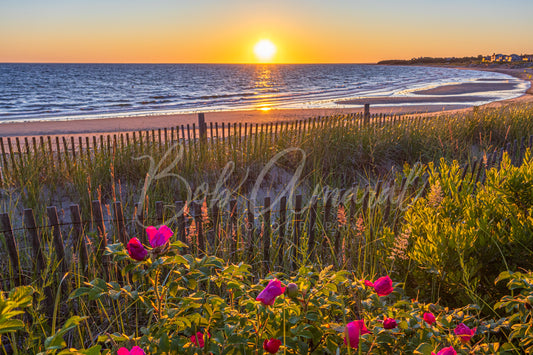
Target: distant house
{"x":486,"y":59}
{"x":504,"y":58}
{"x":497,"y":58}
{"x":513,"y":58}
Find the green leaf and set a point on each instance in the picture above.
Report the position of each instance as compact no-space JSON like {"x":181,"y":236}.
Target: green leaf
{"x":82,"y":291}
{"x":423,"y":349}
{"x":21,"y":296}
{"x":164,"y":345}
{"x":94,"y":350}
{"x":56,"y":342}
{"x":10,"y":325}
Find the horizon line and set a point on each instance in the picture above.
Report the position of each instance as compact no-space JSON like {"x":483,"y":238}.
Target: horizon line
{"x":216,"y":63}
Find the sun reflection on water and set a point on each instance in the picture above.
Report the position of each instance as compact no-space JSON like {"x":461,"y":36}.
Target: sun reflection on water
{"x":264,"y":84}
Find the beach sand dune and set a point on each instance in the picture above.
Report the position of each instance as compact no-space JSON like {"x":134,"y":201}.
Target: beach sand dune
{"x":386,"y":100}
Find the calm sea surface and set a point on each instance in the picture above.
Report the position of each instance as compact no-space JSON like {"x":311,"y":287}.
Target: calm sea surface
{"x":78,"y":91}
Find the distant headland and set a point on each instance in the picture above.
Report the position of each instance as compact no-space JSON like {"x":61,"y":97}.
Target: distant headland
{"x":507,"y":60}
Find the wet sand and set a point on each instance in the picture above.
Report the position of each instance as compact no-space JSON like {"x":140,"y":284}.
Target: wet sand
{"x":412,"y":100}
{"x":466,"y":88}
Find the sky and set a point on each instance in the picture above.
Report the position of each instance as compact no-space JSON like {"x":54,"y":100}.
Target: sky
{"x":225,"y":31}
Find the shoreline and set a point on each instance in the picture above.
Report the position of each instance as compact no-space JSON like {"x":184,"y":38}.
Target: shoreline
{"x":380,"y":105}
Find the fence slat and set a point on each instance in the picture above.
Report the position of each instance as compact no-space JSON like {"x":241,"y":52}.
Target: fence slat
{"x":11,"y":248}
{"x":312,"y":227}
{"x":139,"y":223}
{"x":199,"y":223}
{"x":58,"y":152}
{"x":180,"y":210}
{"x":232,"y":226}
{"x":282,"y":225}
{"x":297,"y":229}
{"x":119,"y":220}
{"x":4,"y":157}
{"x":250,"y":229}
{"x":57,"y":237}
{"x":31,"y":226}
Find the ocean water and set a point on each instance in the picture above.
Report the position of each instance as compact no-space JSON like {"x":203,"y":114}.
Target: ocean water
{"x":76,"y":91}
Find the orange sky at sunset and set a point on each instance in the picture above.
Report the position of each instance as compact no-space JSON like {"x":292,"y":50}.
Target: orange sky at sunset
{"x":208,"y":31}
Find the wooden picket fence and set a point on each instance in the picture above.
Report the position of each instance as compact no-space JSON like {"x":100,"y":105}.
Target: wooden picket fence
{"x":235,"y":229}
{"x":235,"y":136}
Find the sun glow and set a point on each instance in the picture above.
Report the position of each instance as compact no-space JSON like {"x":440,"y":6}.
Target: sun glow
{"x":264,"y":50}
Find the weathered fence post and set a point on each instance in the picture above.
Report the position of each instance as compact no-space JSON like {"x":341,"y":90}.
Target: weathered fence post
{"x":180,"y":210}
{"x":232,"y":227}
{"x":312,"y":227}
{"x":281,"y":232}
{"x":11,"y":154}
{"x":215,"y":217}
{"x":11,"y":247}
{"x":198,"y":220}
{"x":297,"y":229}
{"x":74,"y":148}
{"x":29,"y":220}
{"x":4,"y":157}
{"x":250,"y":229}
{"x":119,"y":220}
{"x":202,"y":127}
{"x":58,"y":152}
{"x":366,"y":114}
{"x":58,"y":238}
{"x":139,"y":222}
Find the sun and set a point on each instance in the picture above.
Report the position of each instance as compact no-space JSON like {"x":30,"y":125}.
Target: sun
{"x":264,"y":50}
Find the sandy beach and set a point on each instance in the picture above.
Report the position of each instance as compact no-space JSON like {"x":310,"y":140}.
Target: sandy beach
{"x":421,"y":105}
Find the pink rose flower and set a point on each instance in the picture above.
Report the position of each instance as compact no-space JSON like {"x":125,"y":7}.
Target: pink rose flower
{"x":353,"y":331}
{"x":134,"y":351}
{"x":272,"y":345}
{"x":464,"y":333}
{"x":390,"y":323}
{"x":383,"y":285}
{"x":429,"y":318}
{"x":136,"y":249}
{"x":269,"y":294}
{"x":158,"y":237}
{"x":446,"y":351}
{"x":198,"y":339}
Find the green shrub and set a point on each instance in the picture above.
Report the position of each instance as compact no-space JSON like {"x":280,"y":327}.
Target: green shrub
{"x":462,"y":233}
